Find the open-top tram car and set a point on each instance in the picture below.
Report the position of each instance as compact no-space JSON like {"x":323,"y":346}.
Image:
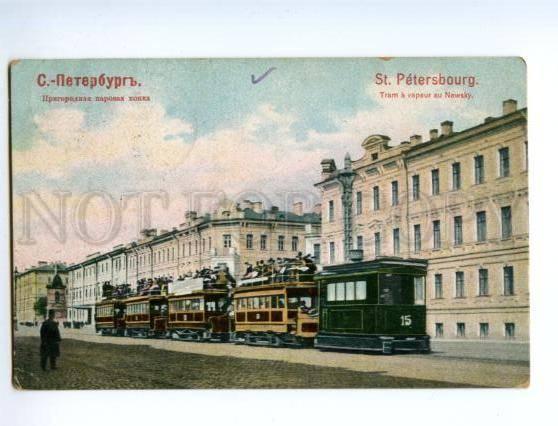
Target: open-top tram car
{"x":110,"y":317}
{"x":274,"y":313}
{"x":200,"y":315}
{"x":373,"y":306}
{"x":146,"y":316}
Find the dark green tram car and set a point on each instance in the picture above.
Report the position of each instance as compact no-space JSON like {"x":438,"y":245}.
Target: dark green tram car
{"x":373,"y":306}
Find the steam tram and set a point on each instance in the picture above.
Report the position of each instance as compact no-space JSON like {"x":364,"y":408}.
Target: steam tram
{"x":374,"y":306}
{"x":371,"y":306}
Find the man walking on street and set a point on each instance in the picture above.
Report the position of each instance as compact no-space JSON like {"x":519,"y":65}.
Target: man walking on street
{"x":50,"y":338}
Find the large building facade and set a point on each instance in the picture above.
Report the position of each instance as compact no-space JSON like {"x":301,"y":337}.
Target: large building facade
{"x":458,"y":199}
{"x":31,"y":285}
{"x":232,"y":235}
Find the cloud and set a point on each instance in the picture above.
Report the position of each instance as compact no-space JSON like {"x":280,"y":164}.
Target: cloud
{"x":141,"y":148}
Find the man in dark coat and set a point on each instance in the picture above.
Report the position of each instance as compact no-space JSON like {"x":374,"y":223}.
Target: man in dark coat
{"x":50,"y":338}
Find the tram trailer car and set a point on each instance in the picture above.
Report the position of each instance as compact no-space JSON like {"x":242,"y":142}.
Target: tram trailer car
{"x":110,"y":317}
{"x":200,"y":316}
{"x":146,"y":316}
{"x":373,"y":306}
{"x":270,"y":314}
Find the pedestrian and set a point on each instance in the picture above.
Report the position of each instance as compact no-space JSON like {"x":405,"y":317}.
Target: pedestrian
{"x":50,"y":338}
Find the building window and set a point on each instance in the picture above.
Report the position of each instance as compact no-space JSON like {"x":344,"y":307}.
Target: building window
{"x":483,"y":330}
{"x":360,"y":243}
{"x":435,"y":182}
{"x":438,"y":289}
{"x":281,"y":243}
{"x":294,"y":244}
{"x":418,"y":238}
{"x":504,"y":162}
{"x":396,"y":243}
{"x":226,"y":241}
{"x":437,"y":235}
{"x":508,"y":281}
{"x":263,"y":242}
{"x":317,"y":253}
{"x":377,"y":244}
{"x":359,"y":202}
{"x":481,"y":226}
{"x":332,"y":252}
{"x":416,"y":187}
{"x":196,"y":244}
{"x":189,"y":248}
{"x":331,"y":211}
{"x":374,"y":156}
{"x":479,"y":169}
{"x":376,"y":197}
{"x":460,"y":329}
{"x":483,"y":282}
{"x":209,"y":242}
{"x":249,"y":241}
{"x":459,"y":284}
{"x":439,"y":330}
{"x":457,"y":230}
{"x":394,"y":193}
{"x":509,"y":330}
{"x":506,"y":222}
{"x":456,"y":174}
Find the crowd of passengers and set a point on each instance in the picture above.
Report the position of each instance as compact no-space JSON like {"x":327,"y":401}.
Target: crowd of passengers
{"x":282,"y":269}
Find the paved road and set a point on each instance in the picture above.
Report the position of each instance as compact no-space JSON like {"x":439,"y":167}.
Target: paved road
{"x":395,"y":371}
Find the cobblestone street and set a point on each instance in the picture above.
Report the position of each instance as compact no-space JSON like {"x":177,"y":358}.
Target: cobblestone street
{"x":96,"y":362}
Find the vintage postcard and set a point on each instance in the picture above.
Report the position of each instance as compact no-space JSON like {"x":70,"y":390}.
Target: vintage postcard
{"x":269,"y":223}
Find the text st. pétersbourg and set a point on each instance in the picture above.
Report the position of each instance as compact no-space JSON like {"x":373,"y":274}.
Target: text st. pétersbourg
{"x":414,"y":80}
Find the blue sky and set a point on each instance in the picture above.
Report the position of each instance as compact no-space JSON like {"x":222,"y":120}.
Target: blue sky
{"x":209,"y":128}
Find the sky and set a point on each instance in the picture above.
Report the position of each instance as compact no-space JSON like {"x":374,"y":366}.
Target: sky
{"x":87,"y":176}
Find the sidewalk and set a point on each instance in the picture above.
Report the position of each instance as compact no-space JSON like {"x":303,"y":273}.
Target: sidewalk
{"x":504,"y":351}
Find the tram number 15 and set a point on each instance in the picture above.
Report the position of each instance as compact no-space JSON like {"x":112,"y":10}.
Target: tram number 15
{"x":406,"y":320}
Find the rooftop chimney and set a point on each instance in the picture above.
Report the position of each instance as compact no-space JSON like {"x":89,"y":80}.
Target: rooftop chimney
{"x":257,"y":206}
{"x":433,"y":134}
{"x":317,"y":208}
{"x":298,"y":208}
{"x":415,"y":139}
{"x":509,"y":106}
{"x":447,"y":128}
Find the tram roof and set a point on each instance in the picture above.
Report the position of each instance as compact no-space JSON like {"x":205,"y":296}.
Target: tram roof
{"x":373,"y":266}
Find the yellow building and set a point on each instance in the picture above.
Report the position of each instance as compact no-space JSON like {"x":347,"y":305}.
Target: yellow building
{"x":458,"y":199}
{"x":30,"y":285}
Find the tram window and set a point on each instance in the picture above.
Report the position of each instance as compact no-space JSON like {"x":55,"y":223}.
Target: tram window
{"x":419,"y":290}
{"x":210,"y":306}
{"x":307,"y":301}
{"x":273,"y":302}
{"x":281,"y":301}
{"x":360,"y":290}
{"x":263,"y":303}
{"x":250,"y":303}
{"x":243,"y":303}
{"x":396,"y":289}
{"x":340,"y":291}
{"x":256,"y":302}
{"x":195,"y":304}
{"x":350,"y":290}
{"x":331,"y":292}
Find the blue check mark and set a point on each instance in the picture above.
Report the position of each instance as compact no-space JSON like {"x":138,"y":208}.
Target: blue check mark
{"x":264,"y":75}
